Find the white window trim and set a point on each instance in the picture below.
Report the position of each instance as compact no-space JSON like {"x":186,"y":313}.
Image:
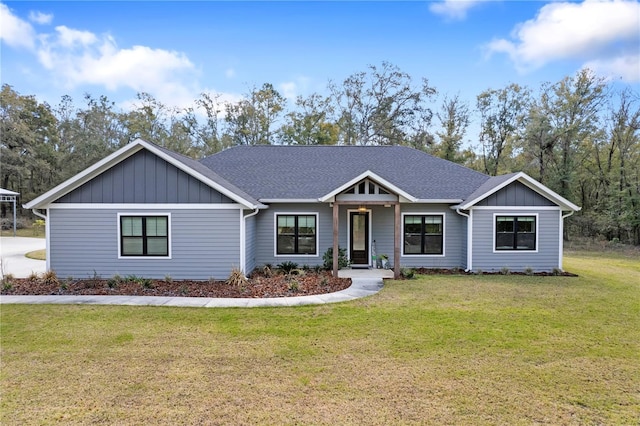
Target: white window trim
{"x":145,"y":214}
{"x":275,"y":233}
{"x":444,"y":233}
{"x":518,"y":214}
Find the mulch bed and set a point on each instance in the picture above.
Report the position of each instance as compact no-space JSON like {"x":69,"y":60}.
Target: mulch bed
{"x":277,"y":285}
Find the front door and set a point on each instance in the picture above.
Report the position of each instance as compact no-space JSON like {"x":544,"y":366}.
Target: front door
{"x":359,"y":245}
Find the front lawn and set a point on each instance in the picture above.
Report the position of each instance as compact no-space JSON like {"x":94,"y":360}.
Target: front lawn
{"x":436,"y":350}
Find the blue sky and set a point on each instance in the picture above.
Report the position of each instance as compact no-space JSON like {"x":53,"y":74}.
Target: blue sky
{"x":177,"y":50}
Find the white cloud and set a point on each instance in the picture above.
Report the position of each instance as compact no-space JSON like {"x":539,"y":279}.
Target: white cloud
{"x":597,"y":32}
{"x":453,"y":9}
{"x":627,"y":67}
{"x":14,"y":31}
{"x":40,"y":18}
{"x":289,"y":89}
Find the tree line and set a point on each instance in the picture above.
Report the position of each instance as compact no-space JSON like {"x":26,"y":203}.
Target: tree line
{"x":579,"y":136}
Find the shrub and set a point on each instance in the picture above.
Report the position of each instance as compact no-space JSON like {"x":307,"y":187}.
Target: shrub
{"x":50,"y":277}
{"x":33,"y":276}
{"x":505,"y":271}
{"x":237,"y":278}
{"x":294,"y":286}
{"x":288,"y":267}
{"x":408,"y":273}
{"x":327,"y":259}
{"x":557,"y":271}
{"x":528,"y":270}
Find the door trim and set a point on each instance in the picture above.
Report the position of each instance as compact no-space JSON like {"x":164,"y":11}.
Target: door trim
{"x":349,"y":211}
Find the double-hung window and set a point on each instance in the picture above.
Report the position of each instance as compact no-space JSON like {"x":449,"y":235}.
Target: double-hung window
{"x":144,"y":236}
{"x":423,"y":234}
{"x":515,"y":232}
{"x":296,"y":234}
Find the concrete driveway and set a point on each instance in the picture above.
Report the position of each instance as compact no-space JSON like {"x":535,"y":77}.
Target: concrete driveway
{"x":12,"y":254}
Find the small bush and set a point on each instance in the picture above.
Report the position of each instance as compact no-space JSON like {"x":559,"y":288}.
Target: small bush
{"x":6,"y":285}
{"x":33,"y":277}
{"x":7,"y":223}
{"x":324,"y":282}
{"x":146,"y":283}
{"x":557,"y":271}
{"x":505,"y":271}
{"x":168,"y":279}
{"x":294,"y":286}
{"x":237,"y":278}
{"x":327,"y":259}
{"x":287,"y":267}
{"x":408,"y":273}
{"x":50,"y":277}
{"x":528,"y":270}
{"x":112,"y":283}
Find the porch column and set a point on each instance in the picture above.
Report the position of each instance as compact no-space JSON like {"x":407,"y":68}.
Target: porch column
{"x":396,"y":242}
{"x":335,"y":239}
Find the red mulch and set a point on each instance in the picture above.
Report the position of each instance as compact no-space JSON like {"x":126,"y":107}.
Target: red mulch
{"x":277,"y":285}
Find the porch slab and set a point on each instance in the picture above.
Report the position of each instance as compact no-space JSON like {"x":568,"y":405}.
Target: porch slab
{"x":365,"y":273}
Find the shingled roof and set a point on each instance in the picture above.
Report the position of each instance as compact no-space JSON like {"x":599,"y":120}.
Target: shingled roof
{"x":268,"y":172}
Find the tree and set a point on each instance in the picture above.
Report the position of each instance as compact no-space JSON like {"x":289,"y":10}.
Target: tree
{"x":502,"y":115}
{"x":454,"y":119}
{"x":251,"y":121}
{"x":148,"y":121}
{"x":28,"y":142}
{"x":573,"y":106}
{"x":381,"y":107}
{"x":309,"y":124}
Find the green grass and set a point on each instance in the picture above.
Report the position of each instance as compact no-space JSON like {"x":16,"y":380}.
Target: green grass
{"x":30,"y":232}
{"x":37,"y":254}
{"x":437,"y":350}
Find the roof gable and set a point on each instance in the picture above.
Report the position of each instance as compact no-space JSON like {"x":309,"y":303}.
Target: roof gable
{"x":496,"y":183}
{"x":189,"y":166}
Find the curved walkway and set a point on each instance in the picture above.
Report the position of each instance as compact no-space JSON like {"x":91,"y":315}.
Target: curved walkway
{"x":360,"y":287}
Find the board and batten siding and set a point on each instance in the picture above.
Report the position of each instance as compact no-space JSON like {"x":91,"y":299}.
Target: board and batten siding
{"x":515,"y":194}
{"x":205,"y":244}
{"x":144,"y":178}
{"x":545,"y":258}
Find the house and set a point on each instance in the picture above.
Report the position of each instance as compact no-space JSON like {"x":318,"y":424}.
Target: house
{"x":148,"y":211}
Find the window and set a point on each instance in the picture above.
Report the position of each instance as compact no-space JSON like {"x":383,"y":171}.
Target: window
{"x":296,"y":234}
{"x":423,"y":234}
{"x":515,"y":232}
{"x":144,"y":235}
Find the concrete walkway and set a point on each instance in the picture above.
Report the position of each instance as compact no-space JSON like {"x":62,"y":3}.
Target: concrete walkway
{"x":360,"y":287}
{"x":12,"y":254}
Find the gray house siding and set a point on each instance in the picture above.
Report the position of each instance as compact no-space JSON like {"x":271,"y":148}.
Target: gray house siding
{"x":204,"y":243}
{"x":265,"y":233}
{"x":454,"y":237}
{"x":545,"y":258}
{"x":515,"y":194}
{"x":382,"y":232}
{"x":144,"y":178}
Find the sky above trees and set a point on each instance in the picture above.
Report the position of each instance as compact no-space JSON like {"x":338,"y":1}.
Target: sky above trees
{"x":177,"y":50}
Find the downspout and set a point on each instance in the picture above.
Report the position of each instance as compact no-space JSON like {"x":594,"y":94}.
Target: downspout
{"x":469,"y":239}
{"x":46,"y":237}
{"x":560,"y":244}
{"x":243,"y":241}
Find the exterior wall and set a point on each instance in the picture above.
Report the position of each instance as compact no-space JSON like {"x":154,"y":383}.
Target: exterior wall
{"x":381,"y":231}
{"x":545,"y":258}
{"x":265,"y":233}
{"x":454,"y":239}
{"x":204,"y":243}
{"x":515,"y":194}
{"x":144,"y":178}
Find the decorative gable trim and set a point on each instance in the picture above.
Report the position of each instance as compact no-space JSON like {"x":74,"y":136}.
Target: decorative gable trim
{"x":529,"y":182}
{"x":119,"y":156}
{"x":372,"y":176}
